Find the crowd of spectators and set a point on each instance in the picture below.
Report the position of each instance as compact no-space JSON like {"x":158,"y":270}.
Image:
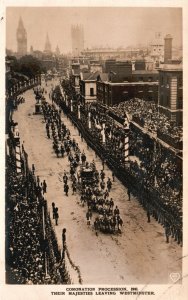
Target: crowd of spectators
{"x":155,"y":168}
{"x":32,"y":254}
{"x":147,"y":115}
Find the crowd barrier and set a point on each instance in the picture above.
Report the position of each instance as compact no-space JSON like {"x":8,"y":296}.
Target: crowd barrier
{"x":170,"y":140}
{"x":145,"y":193}
{"x":22,"y":195}
{"x":9,"y":104}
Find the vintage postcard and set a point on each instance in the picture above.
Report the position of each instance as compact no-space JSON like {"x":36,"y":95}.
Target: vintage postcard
{"x":94,"y":168}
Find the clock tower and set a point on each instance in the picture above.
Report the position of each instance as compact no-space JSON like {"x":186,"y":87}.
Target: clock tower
{"x":21,"y":35}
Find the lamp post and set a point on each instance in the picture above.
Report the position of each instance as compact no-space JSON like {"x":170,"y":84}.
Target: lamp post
{"x":126,"y":140}
{"x":103,"y":133}
{"x":79,"y":111}
{"x":89,"y":119}
{"x":126,"y":148}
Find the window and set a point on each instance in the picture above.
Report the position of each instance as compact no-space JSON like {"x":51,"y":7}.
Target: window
{"x":180,"y":82}
{"x":91,"y":91}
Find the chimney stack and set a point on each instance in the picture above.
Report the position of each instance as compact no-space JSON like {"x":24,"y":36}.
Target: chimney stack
{"x":167,"y":48}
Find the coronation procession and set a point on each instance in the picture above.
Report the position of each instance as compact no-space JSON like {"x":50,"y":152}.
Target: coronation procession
{"x":94,"y":177}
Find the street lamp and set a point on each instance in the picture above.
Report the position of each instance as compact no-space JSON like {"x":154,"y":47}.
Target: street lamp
{"x":89,"y":119}
{"x":79,"y":111}
{"x":103,"y":133}
{"x":71,"y":105}
{"x":126,"y":128}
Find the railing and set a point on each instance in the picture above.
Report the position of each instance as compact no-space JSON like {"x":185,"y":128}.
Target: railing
{"x":9,"y":101}
{"x":170,"y":140}
{"x":145,"y":192}
{"x":53,"y":263}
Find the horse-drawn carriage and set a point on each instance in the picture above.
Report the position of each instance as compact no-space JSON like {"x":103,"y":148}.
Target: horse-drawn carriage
{"x":108,"y":224}
{"x":86,"y":176}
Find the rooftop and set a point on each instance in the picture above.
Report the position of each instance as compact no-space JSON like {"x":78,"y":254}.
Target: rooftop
{"x":90,"y":76}
{"x":103,"y":77}
{"x":139,"y":72}
{"x":171,"y":67}
{"x":133,"y":83}
{"x":108,"y":50}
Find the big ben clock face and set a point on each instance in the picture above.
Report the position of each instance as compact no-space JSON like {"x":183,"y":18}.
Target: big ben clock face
{"x":19,"y":36}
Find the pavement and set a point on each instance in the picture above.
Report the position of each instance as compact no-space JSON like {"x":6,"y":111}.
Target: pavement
{"x":138,"y":255}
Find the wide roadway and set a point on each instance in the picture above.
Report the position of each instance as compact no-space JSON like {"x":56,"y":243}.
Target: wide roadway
{"x":138,"y":255}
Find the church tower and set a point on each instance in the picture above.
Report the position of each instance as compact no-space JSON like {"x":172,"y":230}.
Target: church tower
{"x":21,"y":35}
{"x":77,"y":34}
{"x":47,"y":48}
{"x":57,"y":51}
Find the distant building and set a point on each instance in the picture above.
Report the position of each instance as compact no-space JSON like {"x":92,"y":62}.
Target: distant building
{"x":157,"y":48}
{"x":57,"y":51}
{"x":140,"y":65}
{"x":127,"y":80}
{"x":36,"y":53}
{"x":77,"y":35}
{"x":75,"y":69}
{"x":119,"y":71}
{"x":75,"y":77}
{"x":47,"y":47}
{"x":88,"y":86}
{"x":94,"y":67}
{"x":130,"y":71}
{"x":31,"y":50}
{"x":145,"y":76}
{"x":111,"y":93}
{"x":21,"y":36}
{"x":49,"y":62}
{"x":104,"y":54}
{"x":149,"y":63}
{"x":171,"y":92}
{"x":109,"y":65}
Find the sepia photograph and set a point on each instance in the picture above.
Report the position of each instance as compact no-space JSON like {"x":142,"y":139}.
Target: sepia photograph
{"x":94,"y":149}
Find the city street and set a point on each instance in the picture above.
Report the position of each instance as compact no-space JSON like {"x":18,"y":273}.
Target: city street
{"x":138,"y":255}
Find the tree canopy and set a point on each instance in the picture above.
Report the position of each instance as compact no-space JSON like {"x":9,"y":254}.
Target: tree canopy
{"x":27,"y":65}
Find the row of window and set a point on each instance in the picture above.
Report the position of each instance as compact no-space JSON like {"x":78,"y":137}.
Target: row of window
{"x":165,"y":101}
{"x":166,"y":80}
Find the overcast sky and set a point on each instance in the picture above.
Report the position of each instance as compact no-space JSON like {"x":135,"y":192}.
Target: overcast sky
{"x":113,"y":27}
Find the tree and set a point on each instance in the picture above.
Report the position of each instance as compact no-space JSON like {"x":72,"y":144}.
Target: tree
{"x":30,"y":66}
{"x":27,"y":65}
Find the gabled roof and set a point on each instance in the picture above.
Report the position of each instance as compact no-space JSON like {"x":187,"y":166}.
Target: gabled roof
{"x":90,"y":76}
{"x":103,"y":77}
